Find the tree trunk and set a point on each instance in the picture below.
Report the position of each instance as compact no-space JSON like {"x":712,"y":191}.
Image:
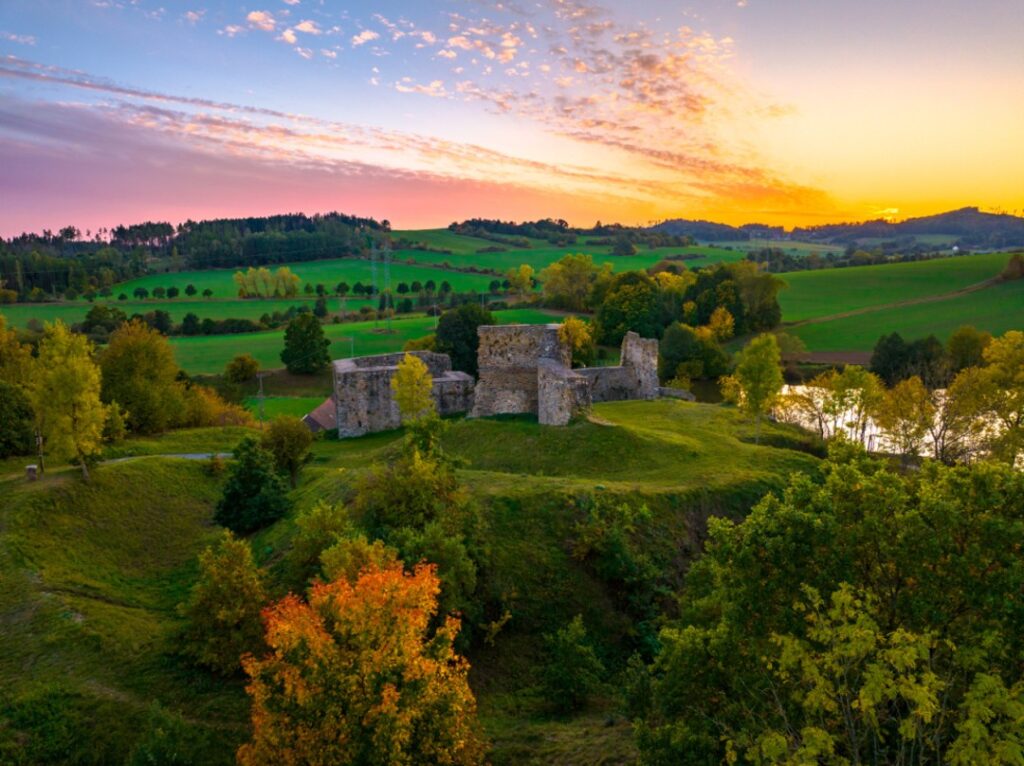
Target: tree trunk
{"x":757,"y":428}
{"x":85,"y":468}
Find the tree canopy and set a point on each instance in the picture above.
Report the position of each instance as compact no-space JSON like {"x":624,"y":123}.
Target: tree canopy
{"x":357,"y":675}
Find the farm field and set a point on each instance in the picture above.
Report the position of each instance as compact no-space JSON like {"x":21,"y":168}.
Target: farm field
{"x":209,"y":354}
{"x":541,"y":257}
{"x":327,"y":272}
{"x":832,"y":291}
{"x":791,"y":247}
{"x":996,"y":309}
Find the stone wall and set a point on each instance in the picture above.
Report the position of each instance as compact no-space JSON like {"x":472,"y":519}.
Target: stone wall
{"x":635,"y":378}
{"x":508,"y":360}
{"x":364,"y":401}
{"x":562,"y":394}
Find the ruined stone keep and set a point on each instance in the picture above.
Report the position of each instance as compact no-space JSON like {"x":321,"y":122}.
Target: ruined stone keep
{"x":363,"y":401}
{"x":524,"y":369}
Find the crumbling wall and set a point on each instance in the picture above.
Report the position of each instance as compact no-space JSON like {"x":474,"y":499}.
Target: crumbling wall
{"x":635,"y":378}
{"x":508,"y":359}
{"x":364,"y":400}
{"x":562,"y":394}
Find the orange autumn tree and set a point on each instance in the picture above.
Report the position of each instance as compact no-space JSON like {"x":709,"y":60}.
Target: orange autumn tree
{"x":356,"y":676}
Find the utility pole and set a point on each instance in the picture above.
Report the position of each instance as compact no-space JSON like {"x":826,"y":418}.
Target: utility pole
{"x":387,"y":285}
{"x":373,"y":279}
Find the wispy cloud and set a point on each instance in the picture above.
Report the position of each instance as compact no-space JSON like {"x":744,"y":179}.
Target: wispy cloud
{"x":20,"y":39}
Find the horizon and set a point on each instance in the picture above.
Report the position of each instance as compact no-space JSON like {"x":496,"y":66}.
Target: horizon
{"x":92,"y":233}
{"x":121,"y":111}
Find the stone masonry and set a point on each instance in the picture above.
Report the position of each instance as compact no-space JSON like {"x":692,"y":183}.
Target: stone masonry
{"x":362,"y":391}
{"x":508,"y":360}
{"x":527,"y":369}
{"x":524,"y":369}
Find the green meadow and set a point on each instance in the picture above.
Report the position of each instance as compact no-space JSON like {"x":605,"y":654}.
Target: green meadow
{"x":71,"y":312}
{"x":209,"y":353}
{"x":540,"y":257}
{"x":996,"y":309}
{"x":826,"y":292}
{"x":327,"y":272}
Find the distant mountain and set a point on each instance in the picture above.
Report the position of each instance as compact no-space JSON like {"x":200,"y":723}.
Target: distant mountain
{"x":970,"y":226}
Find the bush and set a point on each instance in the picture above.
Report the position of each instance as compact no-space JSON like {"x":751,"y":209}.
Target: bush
{"x":241,"y":369}
{"x":254,"y":494}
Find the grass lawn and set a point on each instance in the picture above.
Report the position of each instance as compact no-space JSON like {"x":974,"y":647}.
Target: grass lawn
{"x":996,"y":309}
{"x":831,"y":291}
{"x":326,"y":272}
{"x":209,"y":354}
{"x":273,"y":406}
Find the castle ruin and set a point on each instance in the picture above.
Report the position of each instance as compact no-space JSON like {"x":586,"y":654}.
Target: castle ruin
{"x":524,"y":369}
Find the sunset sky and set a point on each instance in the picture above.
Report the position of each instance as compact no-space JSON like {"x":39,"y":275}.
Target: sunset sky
{"x":780,"y":111}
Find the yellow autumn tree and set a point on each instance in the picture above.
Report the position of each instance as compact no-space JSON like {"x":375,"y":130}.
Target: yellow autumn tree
{"x":575,"y":333}
{"x":520,"y":280}
{"x":412,"y":386}
{"x":66,"y":396}
{"x":356,"y":675}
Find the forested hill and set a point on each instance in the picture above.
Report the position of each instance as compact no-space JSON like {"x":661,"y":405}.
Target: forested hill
{"x":973,"y":228}
{"x":970,"y":226}
{"x":53,"y":261}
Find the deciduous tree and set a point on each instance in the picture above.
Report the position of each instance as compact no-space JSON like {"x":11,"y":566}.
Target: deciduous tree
{"x":457,"y":335}
{"x":520,"y":280}
{"x":413,"y":387}
{"x":288,"y":439}
{"x":223,"y":608}
{"x":575,"y":333}
{"x":305,"y":347}
{"x":904,"y":415}
{"x":140,"y":374}
{"x":66,"y":396}
{"x":355,"y":675}
{"x":758,"y":379}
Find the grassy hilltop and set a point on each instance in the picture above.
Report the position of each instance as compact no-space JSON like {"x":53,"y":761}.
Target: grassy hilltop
{"x":93,"y":572}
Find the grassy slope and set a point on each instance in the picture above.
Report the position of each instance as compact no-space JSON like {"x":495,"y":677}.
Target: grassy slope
{"x":92,"y":573}
{"x":995,"y":309}
{"x":209,"y":354}
{"x":831,"y":291}
{"x":91,"y":576}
